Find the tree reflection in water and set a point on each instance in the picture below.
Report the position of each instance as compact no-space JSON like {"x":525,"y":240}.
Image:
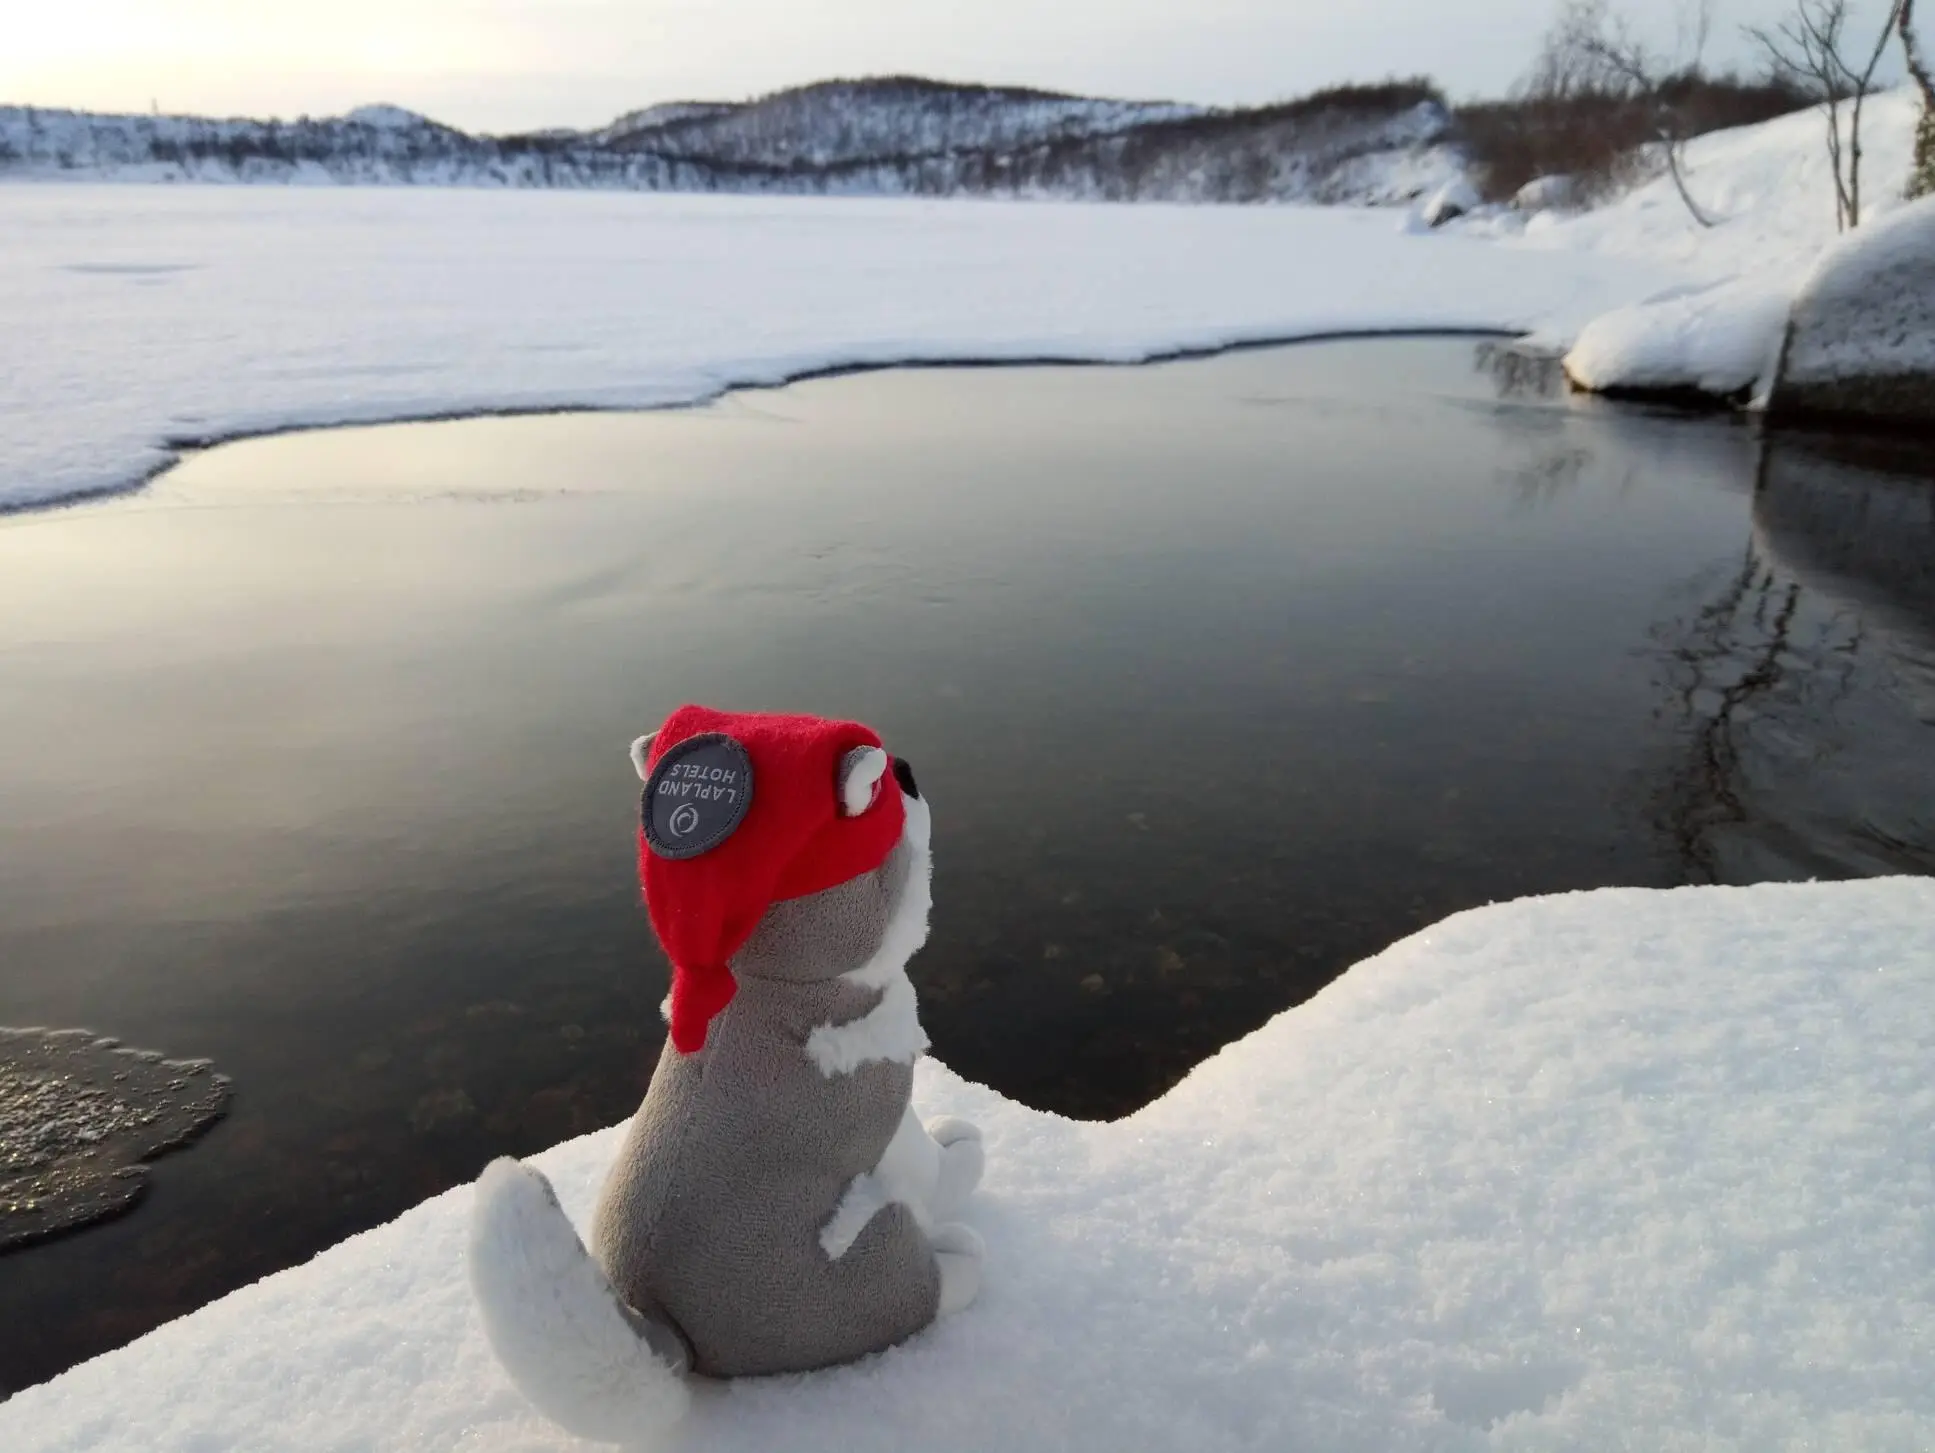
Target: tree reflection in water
{"x":1801,"y":698}
{"x":1521,"y":372}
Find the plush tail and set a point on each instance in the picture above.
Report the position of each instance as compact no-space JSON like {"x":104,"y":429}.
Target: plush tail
{"x":570,"y":1344}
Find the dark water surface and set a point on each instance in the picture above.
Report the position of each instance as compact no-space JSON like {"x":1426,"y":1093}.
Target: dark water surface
{"x":1220,"y":675}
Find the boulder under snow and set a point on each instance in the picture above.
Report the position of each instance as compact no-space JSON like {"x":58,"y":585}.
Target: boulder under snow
{"x":1861,"y":338}
{"x":1454,"y":199}
{"x":1541,"y":194}
{"x":1710,"y":345}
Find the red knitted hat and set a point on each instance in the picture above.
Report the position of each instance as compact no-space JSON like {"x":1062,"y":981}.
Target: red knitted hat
{"x":741,"y":810}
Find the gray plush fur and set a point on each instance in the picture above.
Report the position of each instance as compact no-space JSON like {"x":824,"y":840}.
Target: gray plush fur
{"x":710,"y":1221}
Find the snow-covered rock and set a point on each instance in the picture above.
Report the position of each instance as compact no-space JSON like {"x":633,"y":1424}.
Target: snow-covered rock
{"x":1715,"y":344}
{"x":1861,"y":341}
{"x":1623,"y":1169}
{"x":1545,"y":193}
{"x":1452,"y":200}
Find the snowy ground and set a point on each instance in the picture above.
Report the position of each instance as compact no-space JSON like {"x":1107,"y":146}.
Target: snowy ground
{"x":137,"y":314}
{"x":1612,"y":1170}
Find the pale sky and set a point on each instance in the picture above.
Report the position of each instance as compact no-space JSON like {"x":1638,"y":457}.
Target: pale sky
{"x":502,"y":65}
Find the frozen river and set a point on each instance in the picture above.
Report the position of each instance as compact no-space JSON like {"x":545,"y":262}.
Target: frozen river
{"x":1221,"y":676}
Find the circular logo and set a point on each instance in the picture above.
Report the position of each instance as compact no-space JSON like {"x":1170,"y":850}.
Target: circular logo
{"x":696,"y":796}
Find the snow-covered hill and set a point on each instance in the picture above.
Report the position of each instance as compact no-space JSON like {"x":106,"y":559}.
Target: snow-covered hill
{"x":837,"y":123}
{"x":890,"y":137}
{"x":651,"y":118}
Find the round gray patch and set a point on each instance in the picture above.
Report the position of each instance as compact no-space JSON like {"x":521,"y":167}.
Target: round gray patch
{"x":697,"y":796}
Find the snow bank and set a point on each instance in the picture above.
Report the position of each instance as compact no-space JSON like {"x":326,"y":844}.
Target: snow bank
{"x":1719,"y":342}
{"x":1772,"y":190}
{"x":140,"y":315}
{"x":1624,"y":1168}
{"x":1769,"y":186}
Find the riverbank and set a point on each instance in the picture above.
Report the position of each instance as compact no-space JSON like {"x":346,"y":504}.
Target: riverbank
{"x":144,"y":320}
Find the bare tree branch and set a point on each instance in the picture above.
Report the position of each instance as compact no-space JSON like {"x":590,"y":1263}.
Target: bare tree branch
{"x":1863,"y":87}
{"x":1593,"y":50}
{"x":1810,"y":47}
{"x":1696,"y":29}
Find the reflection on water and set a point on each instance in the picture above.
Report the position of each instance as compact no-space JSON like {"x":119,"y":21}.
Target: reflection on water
{"x":1519,"y":372}
{"x":1855,"y":519}
{"x":1739,"y":669}
{"x":1803,"y":687}
{"x":1220,"y":675}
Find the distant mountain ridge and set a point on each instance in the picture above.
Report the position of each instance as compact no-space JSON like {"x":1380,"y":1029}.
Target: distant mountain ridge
{"x":832,"y":123}
{"x":893,"y":136}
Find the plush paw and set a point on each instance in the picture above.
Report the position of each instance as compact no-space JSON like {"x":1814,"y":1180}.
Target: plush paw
{"x":948,"y":1129}
{"x":958,"y":1251}
{"x":961,"y":1163}
{"x":961,"y":1166}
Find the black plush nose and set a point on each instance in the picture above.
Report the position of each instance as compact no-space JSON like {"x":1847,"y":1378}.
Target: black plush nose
{"x":904,"y":775}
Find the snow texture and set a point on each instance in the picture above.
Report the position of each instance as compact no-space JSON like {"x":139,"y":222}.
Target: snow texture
{"x":142,"y":318}
{"x":1773,"y":191}
{"x":1621,"y":1169}
{"x":1863,"y":335}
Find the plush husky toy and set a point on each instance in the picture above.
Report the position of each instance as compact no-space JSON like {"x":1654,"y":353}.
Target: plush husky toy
{"x":776,"y":1206}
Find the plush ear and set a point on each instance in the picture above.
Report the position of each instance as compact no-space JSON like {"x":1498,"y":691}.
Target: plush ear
{"x":859,"y":786}
{"x":639,"y":749}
